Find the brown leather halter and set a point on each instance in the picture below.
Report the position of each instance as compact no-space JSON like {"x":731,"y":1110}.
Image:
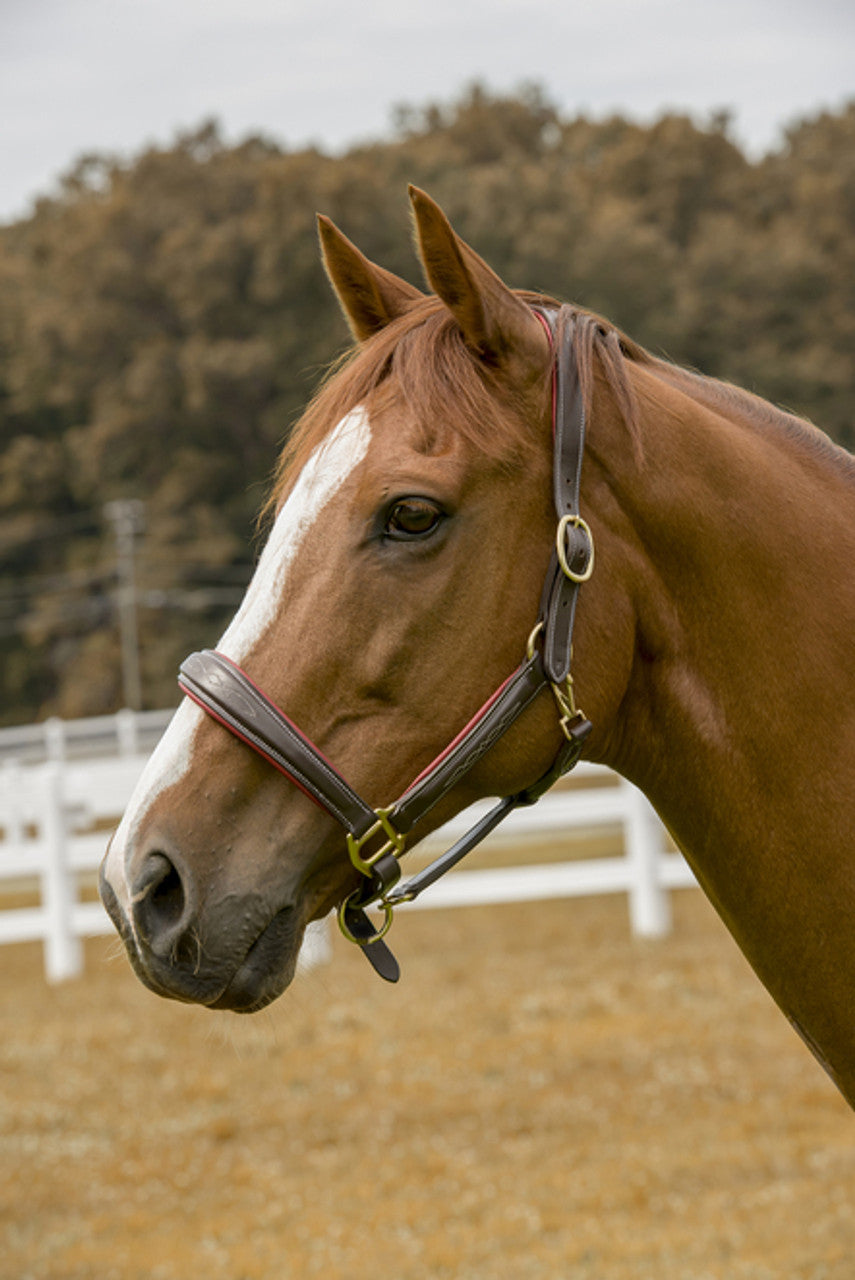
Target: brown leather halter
{"x":376,"y":837}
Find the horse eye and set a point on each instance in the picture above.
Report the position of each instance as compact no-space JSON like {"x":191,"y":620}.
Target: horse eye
{"x":412,"y":518}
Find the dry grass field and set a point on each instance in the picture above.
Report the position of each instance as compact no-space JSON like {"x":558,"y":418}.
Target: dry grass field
{"x":540,"y":1097}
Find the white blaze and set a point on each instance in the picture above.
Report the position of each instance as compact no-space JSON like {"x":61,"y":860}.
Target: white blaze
{"x":323,"y":475}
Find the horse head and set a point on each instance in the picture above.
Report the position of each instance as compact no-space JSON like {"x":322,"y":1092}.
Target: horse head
{"x":413,"y":525}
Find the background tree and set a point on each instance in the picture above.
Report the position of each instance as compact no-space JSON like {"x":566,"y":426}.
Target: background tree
{"x":162,"y":322}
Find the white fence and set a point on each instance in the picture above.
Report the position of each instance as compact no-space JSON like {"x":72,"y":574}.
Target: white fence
{"x":55,"y":818}
{"x":128,"y":733}
{"x":52,"y":819}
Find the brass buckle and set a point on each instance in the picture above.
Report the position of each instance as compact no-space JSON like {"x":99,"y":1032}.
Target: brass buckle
{"x":576,"y":522}
{"x":394,"y":844}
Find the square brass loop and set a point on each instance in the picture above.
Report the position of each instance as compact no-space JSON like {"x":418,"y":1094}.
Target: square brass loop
{"x":394,"y":842}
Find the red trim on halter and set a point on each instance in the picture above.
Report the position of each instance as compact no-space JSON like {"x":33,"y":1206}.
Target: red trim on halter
{"x":479,"y":715}
{"x":256,"y":747}
{"x":259,"y":751}
{"x":298,"y":731}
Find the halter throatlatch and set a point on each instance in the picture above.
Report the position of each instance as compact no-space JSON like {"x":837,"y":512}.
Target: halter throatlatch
{"x":376,"y":838}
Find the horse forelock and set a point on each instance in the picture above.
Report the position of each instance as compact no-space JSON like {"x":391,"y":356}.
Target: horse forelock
{"x":447,"y":390}
{"x":441,"y":386}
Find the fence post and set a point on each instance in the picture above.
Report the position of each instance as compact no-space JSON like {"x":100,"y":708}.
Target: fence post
{"x":10,"y":789}
{"x":649,"y":903}
{"x":126,"y":732}
{"x":54,"y":729}
{"x":63,"y":948}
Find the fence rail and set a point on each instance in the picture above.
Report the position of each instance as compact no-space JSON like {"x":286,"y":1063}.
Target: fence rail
{"x":128,"y":733}
{"x":55,"y":817}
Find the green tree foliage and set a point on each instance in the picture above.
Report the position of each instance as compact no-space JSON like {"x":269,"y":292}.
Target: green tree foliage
{"x":163,"y":321}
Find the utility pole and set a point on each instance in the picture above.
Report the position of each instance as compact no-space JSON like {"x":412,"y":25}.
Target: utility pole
{"x":127,"y":516}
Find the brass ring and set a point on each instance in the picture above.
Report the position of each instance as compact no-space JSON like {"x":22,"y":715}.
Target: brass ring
{"x":375,"y":937}
{"x":532,"y":640}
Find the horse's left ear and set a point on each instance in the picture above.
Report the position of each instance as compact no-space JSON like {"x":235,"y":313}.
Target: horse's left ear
{"x":497,"y":325}
{"x":370,"y":296}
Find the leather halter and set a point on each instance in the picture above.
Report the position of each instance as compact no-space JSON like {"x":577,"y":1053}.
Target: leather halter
{"x":376,"y":837}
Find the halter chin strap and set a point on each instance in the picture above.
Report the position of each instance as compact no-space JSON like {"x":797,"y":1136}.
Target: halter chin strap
{"x":376,"y":838}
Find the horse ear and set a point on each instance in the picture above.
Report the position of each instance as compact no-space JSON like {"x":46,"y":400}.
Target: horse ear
{"x":497,"y":325}
{"x":369,"y":296}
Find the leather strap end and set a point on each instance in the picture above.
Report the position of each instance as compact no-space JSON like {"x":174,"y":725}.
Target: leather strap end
{"x":376,"y":952}
{"x":382,"y":961}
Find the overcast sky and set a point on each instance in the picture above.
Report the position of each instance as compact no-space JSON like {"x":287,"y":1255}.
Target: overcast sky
{"x":114,"y":75}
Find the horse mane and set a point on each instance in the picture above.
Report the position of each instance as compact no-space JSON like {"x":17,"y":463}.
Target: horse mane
{"x":597,"y":338}
{"x":439,"y":378}
{"x":733,"y":401}
{"x":445,"y":387}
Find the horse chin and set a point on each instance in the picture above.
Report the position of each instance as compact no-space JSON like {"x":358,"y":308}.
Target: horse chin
{"x":266,"y":969}
{"x":243,"y":984}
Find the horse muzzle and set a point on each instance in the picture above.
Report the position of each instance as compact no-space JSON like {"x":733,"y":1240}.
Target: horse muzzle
{"x":239,"y":953}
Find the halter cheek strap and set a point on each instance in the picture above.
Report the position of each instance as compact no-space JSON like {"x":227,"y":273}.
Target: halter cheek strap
{"x":376,"y":837}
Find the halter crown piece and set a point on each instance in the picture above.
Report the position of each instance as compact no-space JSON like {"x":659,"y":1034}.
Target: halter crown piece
{"x":376,"y":838}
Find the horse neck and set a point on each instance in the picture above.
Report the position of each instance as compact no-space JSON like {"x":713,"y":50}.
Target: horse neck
{"x":741,"y":540}
{"x":738,"y":538}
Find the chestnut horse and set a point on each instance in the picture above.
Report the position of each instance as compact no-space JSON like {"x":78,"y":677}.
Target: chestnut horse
{"x":713,"y":651}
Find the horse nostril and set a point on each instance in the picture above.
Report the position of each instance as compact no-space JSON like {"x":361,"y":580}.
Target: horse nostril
{"x":166,"y":899}
{"x":159,"y":904}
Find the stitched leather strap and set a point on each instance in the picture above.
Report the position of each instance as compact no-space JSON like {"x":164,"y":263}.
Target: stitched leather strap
{"x":561,"y":591}
{"x":227,"y":694}
{"x":491,"y":723}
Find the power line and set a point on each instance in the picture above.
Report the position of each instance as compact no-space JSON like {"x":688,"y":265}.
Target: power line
{"x":74,"y":579}
{"x":50,"y":528}
{"x":50,"y":584}
{"x":113,"y":587}
{"x":195,"y":601}
{"x":96,"y":609}
{"x":91,"y":610}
